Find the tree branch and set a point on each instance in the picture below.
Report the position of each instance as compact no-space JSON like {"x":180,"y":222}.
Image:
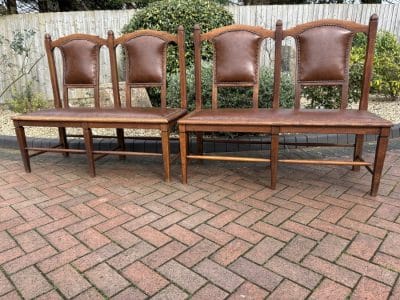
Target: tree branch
{"x":20,"y":76}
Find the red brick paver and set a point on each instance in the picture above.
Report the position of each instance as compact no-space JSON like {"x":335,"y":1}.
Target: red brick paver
{"x":144,"y":278}
{"x":369,"y":289}
{"x":106,"y":279}
{"x":68,"y":281}
{"x":30,"y":283}
{"x":126,"y":234}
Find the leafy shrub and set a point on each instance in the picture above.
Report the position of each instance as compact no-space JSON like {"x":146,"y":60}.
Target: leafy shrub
{"x":230,"y":97}
{"x":167,"y":15}
{"x":25,"y":100}
{"x":385,"y":79}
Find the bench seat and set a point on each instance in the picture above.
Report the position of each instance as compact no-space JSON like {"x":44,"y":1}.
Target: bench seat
{"x":322,"y":59}
{"x":145,"y":66}
{"x":147,"y":115}
{"x":285,"y":117}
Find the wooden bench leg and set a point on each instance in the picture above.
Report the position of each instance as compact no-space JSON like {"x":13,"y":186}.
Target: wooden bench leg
{"x":199,"y":143}
{"x":87,"y":134}
{"x":20,"y":132}
{"x":358,"y":149}
{"x":121,"y":142}
{"x":166,"y":154}
{"x":380,"y":154}
{"x":274,"y":159}
{"x":183,"y":143}
{"x":63,"y":139}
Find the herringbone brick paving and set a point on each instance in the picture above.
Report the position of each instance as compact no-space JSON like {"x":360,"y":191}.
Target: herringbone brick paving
{"x":126,"y":234}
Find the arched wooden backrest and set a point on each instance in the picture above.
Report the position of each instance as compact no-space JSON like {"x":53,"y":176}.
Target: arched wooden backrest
{"x":80,"y":55}
{"x":323,"y":54}
{"x":146,"y":61}
{"x":235,"y":61}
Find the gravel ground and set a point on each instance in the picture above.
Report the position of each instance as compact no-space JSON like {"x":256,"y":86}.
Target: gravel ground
{"x":387,"y":109}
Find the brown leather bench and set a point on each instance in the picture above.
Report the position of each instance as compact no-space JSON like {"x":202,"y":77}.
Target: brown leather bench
{"x":323,"y":49}
{"x":146,"y":55}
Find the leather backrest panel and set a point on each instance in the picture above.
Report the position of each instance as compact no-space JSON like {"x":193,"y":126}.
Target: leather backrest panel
{"x":236,"y":56}
{"x":323,"y":53}
{"x":80,"y":62}
{"x":145,"y":59}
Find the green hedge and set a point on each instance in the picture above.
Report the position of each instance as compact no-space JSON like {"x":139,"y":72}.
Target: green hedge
{"x":167,"y":15}
{"x":386,"y":79}
{"x":228,"y":97}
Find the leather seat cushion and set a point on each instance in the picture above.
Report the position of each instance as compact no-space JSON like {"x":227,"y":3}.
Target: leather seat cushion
{"x":286,"y":117}
{"x":107,"y":115}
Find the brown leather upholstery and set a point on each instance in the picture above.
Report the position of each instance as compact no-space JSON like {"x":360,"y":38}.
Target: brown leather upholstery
{"x":236,"y":56}
{"x":80,"y":58}
{"x":145,"y":59}
{"x":285,"y":117}
{"x":323,"y":53}
{"x":105,"y":115}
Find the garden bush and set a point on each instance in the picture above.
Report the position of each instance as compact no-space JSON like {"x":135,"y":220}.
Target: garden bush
{"x":25,"y":100}
{"x":385,"y":79}
{"x":230,"y":97}
{"x":167,"y":15}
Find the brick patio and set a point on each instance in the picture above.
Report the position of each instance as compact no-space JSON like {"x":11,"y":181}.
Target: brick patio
{"x":128,"y":235}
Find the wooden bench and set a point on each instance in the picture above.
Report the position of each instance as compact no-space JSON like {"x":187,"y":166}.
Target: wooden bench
{"x":323,"y":49}
{"x":146,"y":55}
